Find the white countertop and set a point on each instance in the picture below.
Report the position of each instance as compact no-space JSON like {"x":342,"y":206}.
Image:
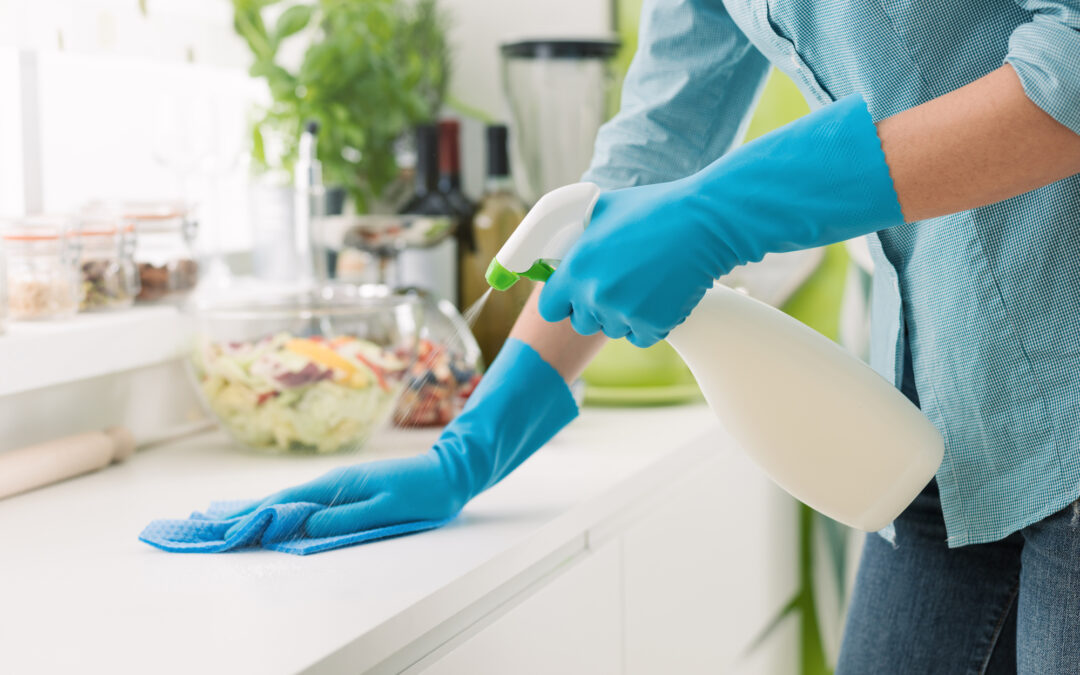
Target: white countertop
{"x":79,"y":592}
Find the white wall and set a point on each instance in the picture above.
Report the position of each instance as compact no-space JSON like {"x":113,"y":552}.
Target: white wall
{"x":479,"y":26}
{"x":111,"y":78}
{"x":172,"y":30}
{"x":108,"y":71}
{"x":117,"y":93}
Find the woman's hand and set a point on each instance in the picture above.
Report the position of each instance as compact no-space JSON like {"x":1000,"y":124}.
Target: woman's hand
{"x":372,"y":495}
{"x":651,"y":252}
{"x":643,"y":263}
{"x":519,"y":405}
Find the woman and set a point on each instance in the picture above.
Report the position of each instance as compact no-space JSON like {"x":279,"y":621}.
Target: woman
{"x":949,"y":129}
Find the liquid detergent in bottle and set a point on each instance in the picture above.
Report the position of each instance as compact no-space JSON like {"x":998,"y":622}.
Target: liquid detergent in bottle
{"x":823,"y":425}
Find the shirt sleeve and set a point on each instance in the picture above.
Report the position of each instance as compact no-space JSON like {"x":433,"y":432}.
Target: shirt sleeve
{"x":1045,"y":53}
{"x":686,"y":94}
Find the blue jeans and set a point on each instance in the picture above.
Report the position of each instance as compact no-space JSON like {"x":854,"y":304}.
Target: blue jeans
{"x":1010,"y":606}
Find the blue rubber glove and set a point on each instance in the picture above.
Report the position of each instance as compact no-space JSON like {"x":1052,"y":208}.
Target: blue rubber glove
{"x":520,"y":404}
{"x":650,"y":253}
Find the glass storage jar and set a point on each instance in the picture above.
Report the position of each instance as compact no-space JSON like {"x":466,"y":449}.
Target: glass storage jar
{"x":102,"y":282}
{"x":42,"y":280}
{"x":128,"y":267}
{"x":3,"y":291}
{"x":164,"y":251}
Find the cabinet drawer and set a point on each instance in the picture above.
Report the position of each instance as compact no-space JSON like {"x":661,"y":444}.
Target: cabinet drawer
{"x":706,"y":569}
{"x":570,"y":626}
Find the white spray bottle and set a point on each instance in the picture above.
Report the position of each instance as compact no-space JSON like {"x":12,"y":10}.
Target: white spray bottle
{"x":818,"y":421}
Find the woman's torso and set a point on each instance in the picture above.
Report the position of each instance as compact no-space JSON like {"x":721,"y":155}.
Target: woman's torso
{"x":990,"y":298}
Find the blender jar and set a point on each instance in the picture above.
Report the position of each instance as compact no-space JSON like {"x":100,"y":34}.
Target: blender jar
{"x":42,"y":280}
{"x":559,"y":91}
{"x":164,"y":252}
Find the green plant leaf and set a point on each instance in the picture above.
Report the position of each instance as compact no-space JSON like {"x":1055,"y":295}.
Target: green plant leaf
{"x":811,"y":642}
{"x":292,"y":21}
{"x":464,"y":109}
{"x":373,"y":69}
{"x":248,"y":23}
{"x":835,"y":536}
{"x":258,"y":145}
{"x":790,"y":607}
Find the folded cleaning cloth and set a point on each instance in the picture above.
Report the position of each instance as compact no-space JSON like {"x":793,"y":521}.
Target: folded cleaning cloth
{"x":279,"y":527}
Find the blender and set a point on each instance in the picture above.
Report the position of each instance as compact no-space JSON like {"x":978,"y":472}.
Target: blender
{"x":560,"y":91}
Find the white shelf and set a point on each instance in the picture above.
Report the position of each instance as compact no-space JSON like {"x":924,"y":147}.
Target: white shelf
{"x":36,"y":355}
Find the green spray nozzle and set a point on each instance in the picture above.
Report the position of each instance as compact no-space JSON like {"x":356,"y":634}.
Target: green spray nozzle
{"x":544,"y":236}
{"x":500,"y":278}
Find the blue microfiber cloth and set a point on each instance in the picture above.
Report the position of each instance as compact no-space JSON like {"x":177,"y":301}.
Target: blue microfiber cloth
{"x":279,"y":527}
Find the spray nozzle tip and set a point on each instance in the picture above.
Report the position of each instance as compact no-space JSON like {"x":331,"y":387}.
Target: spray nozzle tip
{"x":500,"y":278}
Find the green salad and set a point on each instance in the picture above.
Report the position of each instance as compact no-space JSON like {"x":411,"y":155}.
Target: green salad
{"x":287,"y":393}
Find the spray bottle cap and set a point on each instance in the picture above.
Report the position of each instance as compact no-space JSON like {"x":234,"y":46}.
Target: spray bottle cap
{"x":544,"y":236}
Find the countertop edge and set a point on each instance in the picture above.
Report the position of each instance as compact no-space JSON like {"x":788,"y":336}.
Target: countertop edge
{"x":407,"y":637}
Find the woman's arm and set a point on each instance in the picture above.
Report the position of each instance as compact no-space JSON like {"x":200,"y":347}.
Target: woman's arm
{"x":693,"y":79}
{"x":980,"y":144}
{"x":557,"y":343}
{"x":669,"y":125}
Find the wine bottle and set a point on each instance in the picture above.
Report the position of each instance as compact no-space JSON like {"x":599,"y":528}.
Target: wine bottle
{"x":498,"y":214}
{"x":450,"y":171}
{"x":433,"y":268}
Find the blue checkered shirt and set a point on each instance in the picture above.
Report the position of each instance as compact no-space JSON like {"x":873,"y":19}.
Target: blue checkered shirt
{"x":984,"y":304}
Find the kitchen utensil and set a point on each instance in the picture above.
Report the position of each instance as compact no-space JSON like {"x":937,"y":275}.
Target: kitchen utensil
{"x":559,"y":92}
{"x":309,"y":203}
{"x":818,"y":421}
{"x":625,"y":375}
{"x":42,"y":279}
{"x":50,"y":462}
{"x":164,"y":250}
{"x":447,"y":368}
{"x":106,"y":273}
{"x":308,"y":369}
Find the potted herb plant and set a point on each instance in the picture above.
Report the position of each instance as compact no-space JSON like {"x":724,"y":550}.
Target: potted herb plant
{"x":371,"y":70}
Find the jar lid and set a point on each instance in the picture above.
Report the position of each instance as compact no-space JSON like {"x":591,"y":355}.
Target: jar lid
{"x":100,"y":218}
{"x":38,"y":227}
{"x":561,"y":48}
{"x":98,"y":225}
{"x":154,"y":210}
{"x":155,"y":216}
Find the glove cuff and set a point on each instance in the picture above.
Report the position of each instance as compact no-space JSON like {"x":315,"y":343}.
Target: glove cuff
{"x":519,"y":405}
{"x":816,"y":181}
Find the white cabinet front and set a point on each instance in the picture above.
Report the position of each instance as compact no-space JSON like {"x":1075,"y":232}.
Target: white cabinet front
{"x":571,"y":626}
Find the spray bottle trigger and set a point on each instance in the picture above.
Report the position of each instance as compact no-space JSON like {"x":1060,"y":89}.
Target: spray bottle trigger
{"x":541,"y":270}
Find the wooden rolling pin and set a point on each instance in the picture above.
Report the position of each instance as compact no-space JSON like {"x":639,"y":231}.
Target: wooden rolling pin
{"x":53,"y":461}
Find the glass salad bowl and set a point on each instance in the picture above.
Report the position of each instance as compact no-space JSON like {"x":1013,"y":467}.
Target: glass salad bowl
{"x":447,"y":368}
{"x":313,"y":370}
